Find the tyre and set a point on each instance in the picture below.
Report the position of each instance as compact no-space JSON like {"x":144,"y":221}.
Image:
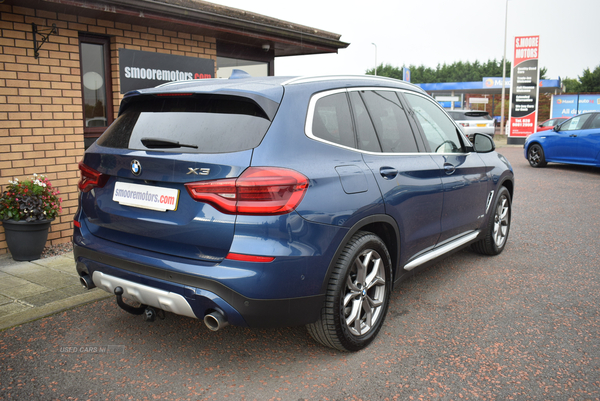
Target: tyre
{"x":498,"y":227}
{"x":358,"y":295}
{"x":535,"y":155}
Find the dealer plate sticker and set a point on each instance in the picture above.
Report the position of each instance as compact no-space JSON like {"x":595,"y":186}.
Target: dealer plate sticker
{"x":146,"y":197}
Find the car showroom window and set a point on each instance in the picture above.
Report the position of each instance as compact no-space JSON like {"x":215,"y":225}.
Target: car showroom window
{"x":332,"y":121}
{"x":439,"y":130}
{"x":390,"y":121}
{"x":576,"y":123}
{"x":96,"y":86}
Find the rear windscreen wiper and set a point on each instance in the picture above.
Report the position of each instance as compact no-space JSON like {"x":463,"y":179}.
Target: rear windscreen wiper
{"x":157,"y":143}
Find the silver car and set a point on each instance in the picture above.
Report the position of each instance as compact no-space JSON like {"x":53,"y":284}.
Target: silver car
{"x":473,"y":121}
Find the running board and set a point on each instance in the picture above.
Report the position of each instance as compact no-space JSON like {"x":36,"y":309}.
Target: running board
{"x":437,"y":252}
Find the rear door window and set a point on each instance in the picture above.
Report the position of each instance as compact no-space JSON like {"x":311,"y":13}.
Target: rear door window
{"x":365,"y":132}
{"x":189,"y":124}
{"x":390,"y":121}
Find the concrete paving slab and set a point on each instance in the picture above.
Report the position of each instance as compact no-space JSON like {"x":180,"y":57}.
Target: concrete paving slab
{"x":43,"y":287}
{"x":50,"y":278}
{"x":73,"y":290}
{"x":29,"y":314}
{"x":23,"y":268}
{"x":11,"y":282}
{"x":13,"y":308}
{"x":24,"y":291}
{"x":5,"y":300}
{"x":44,"y":298}
{"x":64,"y":263}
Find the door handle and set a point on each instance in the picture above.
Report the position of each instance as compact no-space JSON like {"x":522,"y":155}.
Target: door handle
{"x":573,"y":135}
{"x":449,"y":168}
{"x":388,"y":173}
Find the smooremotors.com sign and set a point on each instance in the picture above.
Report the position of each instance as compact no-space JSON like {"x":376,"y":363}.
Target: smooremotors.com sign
{"x":139,"y":70}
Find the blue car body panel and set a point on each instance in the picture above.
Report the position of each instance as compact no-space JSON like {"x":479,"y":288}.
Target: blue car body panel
{"x":416,"y":202}
{"x":570,"y":146}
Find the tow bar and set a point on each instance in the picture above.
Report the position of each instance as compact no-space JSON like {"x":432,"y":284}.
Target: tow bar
{"x":149,"y":312}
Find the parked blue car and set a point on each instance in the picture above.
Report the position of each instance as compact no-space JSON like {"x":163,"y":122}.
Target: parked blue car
{"x":576,"y":141}
{"x":278,"y":201}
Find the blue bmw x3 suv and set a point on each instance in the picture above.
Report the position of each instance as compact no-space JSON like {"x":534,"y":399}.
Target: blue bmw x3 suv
{"x":279,"y":201}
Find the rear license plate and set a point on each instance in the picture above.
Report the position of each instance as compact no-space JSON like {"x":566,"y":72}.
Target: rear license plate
{"x":146,"y":197}
{"x":482,"y":125}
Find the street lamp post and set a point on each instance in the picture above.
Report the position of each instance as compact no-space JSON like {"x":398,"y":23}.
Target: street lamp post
{"x":375,"y":57}
{"x":503,"y":72}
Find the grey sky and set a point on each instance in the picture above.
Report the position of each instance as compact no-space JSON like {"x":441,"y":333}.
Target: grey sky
{"x":432,"y":32}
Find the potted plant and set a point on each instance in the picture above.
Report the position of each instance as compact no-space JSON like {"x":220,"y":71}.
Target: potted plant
{"x":27,"y":208}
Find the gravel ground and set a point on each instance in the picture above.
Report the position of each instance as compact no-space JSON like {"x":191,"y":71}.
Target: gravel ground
{"x":55,"y":250}
{"x":524,"y":325}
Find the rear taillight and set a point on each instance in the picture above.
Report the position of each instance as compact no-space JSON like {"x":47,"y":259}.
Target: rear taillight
{"x":258,"y":191}
{"x":90,"y":178}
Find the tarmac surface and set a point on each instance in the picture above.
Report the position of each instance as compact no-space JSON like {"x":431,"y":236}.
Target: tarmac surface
{"x":522,"y":325}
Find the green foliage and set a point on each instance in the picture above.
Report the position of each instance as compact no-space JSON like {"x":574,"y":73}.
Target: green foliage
{"x":31,"y":200}
{"x":456,"y":72}
{"x":588,"y":82}
{"x":571,"y":85}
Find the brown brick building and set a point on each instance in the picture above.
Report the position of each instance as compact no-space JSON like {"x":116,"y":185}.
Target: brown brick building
{"x":61,"y":78}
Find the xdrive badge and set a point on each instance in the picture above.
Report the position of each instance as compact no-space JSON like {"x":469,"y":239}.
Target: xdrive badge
{"x":136,"y":167}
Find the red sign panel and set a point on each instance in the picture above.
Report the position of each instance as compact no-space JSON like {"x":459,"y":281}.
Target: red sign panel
{"x":524,"y":86}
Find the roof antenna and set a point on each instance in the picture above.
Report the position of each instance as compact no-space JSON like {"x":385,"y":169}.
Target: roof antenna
{"x":239,"y":74}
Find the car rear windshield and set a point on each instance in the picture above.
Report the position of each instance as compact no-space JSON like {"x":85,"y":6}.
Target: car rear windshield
{"x":470,"y":115}
{"x":188,"y":124}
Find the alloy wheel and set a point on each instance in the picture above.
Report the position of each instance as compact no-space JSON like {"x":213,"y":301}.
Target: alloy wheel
{"x":501,"y":222}
{"x":365,"y":291}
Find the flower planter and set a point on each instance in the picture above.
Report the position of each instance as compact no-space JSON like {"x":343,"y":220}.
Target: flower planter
{"x":26,"y":240}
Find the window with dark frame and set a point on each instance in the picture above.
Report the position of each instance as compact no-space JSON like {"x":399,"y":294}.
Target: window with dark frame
{"x":95,"y":86}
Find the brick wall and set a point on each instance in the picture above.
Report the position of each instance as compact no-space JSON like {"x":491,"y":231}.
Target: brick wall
{"x":41,"y":112}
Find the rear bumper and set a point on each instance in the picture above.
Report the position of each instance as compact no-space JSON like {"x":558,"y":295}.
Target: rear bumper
{"x":165,"y":300}
{"x":191,"y":295}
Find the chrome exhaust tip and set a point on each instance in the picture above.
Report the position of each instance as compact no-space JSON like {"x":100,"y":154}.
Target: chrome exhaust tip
{"x":87,"y":282}
{"x":215,"y":321}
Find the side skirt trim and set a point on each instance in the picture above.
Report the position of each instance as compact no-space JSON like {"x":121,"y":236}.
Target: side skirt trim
{"x":437,"y":252}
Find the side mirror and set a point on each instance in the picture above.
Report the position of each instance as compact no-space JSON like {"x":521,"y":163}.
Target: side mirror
{"x":483,"y":143}
{"x":556,"y":128}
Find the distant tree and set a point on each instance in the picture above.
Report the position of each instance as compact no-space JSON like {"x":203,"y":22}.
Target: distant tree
{"x":571,"y":85}
{"x":588,"y":82}
{"x":387,"y":71}
{"x":456,"y":72}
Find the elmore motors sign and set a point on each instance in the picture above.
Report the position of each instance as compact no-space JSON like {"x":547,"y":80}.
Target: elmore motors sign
{"x":139,"y":70}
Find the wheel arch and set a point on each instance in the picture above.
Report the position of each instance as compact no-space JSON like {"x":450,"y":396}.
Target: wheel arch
{"x":510,"y":185}
{"x":382,"y":225}
{"x":533,"y":142}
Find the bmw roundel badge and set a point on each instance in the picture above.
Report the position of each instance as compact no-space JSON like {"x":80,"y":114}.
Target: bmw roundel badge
{"x":136,"y":167}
